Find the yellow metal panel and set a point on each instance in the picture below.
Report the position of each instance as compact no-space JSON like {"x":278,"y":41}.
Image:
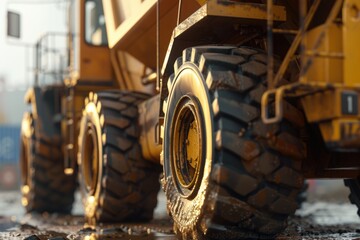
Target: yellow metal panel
{"x":327,"y":105}
{"x":329,"y":131}
{"x":324,"y":68}
{"x":94,"y":62}
{"x":351,"y":18}
{"x":117,"y":33}
{"x":322,"y":106}
{"x":201,"y":2}
{"x":136,"y":34}
{"x":244,"y":10}
{"x":325,"y":109}
{"x":344,"y":132}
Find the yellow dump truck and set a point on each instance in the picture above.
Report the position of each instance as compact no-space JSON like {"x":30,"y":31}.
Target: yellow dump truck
{"x":230,"y":103}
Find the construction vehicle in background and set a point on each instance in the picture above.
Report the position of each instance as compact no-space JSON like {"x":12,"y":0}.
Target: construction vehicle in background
{"x":233,"y":103}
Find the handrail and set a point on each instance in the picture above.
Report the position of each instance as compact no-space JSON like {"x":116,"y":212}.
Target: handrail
{"x":51,"y":58}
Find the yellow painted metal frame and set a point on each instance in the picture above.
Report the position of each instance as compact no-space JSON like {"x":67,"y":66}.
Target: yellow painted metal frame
{"x":137,"y":34}
{"x":243,"y":10}
{"x":246,"y":13}
{"x":94,"y":60}
{"x":118,"y":35}
{"x":330,"y":67}
{"x":351,"y":40}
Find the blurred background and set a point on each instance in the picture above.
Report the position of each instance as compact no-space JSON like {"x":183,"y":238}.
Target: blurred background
{"x":17,"y":71}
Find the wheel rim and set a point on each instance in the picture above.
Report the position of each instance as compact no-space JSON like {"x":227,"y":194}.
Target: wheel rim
{"x":26,"y":144}
{"x":187,"y":146}
{"x":25,"y":188}
{"x":91,"y":159}
{"x":187,"y":205}
{"x":24,"y":162}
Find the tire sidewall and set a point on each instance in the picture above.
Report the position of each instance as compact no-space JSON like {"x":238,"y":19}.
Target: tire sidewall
{"x":90,"y":116}
{"x":27,"y":134}
{"x":186,"y":212}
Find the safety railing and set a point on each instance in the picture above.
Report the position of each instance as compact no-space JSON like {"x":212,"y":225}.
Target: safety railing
{"x":51,"y":59}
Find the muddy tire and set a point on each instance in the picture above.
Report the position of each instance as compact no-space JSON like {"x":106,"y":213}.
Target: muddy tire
{"x":226,"y":174}
{"x":116,"y":182}
{"x":354,"y":187}
{"x":45,"y":187}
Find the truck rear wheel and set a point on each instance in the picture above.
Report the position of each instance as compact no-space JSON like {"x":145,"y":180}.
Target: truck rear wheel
{"x":226,"y":174}
{"x":45,"y":187}
{"x":116,"y":182}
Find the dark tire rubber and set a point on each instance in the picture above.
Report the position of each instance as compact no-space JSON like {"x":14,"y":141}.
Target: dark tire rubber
{"x":303,"y":195}
{"x":251,"y":177}
{"x":127,"y":185}
{"x":45,"y":187}
{"x":354,"y":187}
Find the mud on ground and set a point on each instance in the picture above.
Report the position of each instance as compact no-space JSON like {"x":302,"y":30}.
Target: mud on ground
{"x":326,"y":215}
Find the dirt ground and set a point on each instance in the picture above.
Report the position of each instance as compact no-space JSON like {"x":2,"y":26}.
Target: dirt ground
{"x":326,"y":214}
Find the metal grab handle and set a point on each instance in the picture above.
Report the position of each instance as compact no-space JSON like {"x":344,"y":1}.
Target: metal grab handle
{"x":279,"y":95}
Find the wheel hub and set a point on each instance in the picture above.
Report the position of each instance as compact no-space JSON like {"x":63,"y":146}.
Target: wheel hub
{"x":25,"y":163}
{"x":187,"y":145}
{"x":90,"y":160}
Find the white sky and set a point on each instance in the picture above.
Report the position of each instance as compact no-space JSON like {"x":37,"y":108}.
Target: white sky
{"x":36,"y":19}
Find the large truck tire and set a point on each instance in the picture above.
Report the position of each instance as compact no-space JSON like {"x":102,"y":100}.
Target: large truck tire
{"x":116,"y":182}
{"x":354,"y":187}
{"x":227,"y":175}
{"x":45,"y":187}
